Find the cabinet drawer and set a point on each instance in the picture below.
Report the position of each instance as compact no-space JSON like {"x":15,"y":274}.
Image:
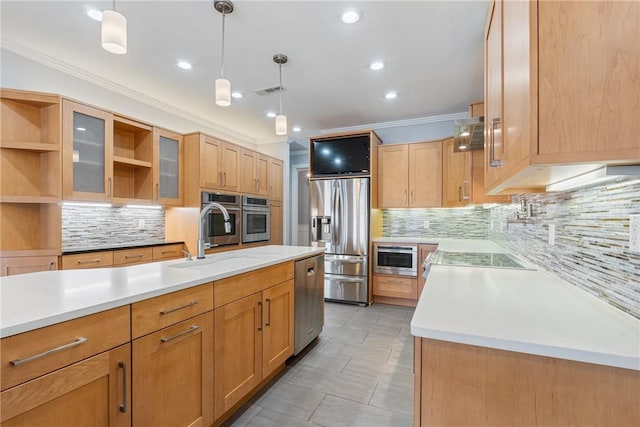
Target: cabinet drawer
{"x":44,"y":350}
{"x":90,"y":260}
{"x":237,"y":287}
{"x":132,"y":256}
{"x":395,"y":286}
{"x":156,"y":313}
{"x":167,"y":251}
{"x":28,"y":264}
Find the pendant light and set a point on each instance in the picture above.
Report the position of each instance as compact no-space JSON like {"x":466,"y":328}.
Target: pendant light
{"x":114,"y":31}
{"x":223,"y":86}
{"x":281,"y":119}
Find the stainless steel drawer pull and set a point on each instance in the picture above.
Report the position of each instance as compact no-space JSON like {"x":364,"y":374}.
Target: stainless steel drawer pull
{"x":123,"y":366}
{"x":191,"y":329}
{"x":168,"y":252}
{"x":89,"y":261}
{"x":182,"y":307}
{"x":18,"y":362}
{"x":268,"y":322}
{"x":261,"y":320}
{"x":133,"y":256}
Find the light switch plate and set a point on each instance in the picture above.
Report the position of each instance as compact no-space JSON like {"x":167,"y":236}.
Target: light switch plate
{"x":552,"y":234}
{"x":634,"y":233}
{"x":425,"y":224}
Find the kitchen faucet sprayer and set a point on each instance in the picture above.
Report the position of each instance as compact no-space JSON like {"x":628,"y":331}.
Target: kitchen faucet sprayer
{"x":201,"y":226}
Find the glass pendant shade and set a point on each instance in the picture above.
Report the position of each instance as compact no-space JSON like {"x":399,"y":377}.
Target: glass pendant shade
{"x":281,"y":124}
{"x":114,"y":32}
{"x":223,"y":92}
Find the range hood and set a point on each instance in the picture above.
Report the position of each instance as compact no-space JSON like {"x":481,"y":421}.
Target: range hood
{"x":469,"y":134}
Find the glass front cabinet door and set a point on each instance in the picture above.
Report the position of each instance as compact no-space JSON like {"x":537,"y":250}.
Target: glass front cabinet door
{"x":87,"y":172}
{"x":168,"y":153}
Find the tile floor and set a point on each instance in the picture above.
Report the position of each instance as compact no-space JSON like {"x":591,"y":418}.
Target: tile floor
{"x":358,"y":373}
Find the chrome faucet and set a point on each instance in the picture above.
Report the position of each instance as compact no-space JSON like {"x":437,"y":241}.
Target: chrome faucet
{"x":201,"y":225}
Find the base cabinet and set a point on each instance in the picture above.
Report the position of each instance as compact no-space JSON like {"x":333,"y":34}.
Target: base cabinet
{"x":93,"y":392}
{"x":254,"y":336}
{"x":173,"y":376}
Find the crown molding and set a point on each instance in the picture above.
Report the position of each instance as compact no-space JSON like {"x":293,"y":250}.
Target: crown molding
{"x":400,"y":123}
{"x":56,"y":63}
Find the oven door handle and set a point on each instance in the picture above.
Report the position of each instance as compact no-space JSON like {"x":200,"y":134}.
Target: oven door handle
{"x":398,"y":249}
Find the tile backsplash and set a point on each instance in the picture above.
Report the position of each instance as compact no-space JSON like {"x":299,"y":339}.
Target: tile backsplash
{"x":591,"y":247}
{"x":93,"y":226}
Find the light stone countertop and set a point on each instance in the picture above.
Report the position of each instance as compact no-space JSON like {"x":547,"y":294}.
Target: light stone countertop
{"x":34,"y":300}
{"x":527,"y":311}
{"x":448,"y":244}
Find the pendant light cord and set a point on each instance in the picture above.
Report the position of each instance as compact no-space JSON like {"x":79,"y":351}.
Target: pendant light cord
{"x":114,"y":5}
{"x":280,"y":91}
{"x":222,"y":50}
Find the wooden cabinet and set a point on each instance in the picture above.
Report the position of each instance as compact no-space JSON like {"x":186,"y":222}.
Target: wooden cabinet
{"x":253,"y":330}
{"x":254,"y":175}
{"x":456,"y":176}
{"x":93,"y":392}
{"x":87,"y":260}
{"x":173,"y":375}
{"x":72,"y":373}
{"x":125,"y":257}
{"x":395,"y":287}
{"x":210,"y":164}
{"x":168,"y":167}
{"x":87,"y":149}
{"x":276,"y":226}
{"x":410,"y":175}
{"x":132,"y":161}
{"x":28,"y":264}
{"x":276,"y":174}
{"x":561,"y":99}
{"x":30,"y":170}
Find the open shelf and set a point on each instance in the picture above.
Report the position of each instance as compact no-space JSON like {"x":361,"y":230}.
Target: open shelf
{"x":131,"y":162}
{"x":30,"y":228}
{"x":40,"y":147}
{"x":29,"y":199}
{"x":132,"y":182}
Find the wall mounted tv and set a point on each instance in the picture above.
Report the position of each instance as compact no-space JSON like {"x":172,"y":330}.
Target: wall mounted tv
{"x":341,"y":157}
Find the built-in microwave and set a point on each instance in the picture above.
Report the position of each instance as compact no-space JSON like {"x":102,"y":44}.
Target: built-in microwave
{"x":395,"y":259}
{"x":214,"y":223}
{"x":256,"y":217}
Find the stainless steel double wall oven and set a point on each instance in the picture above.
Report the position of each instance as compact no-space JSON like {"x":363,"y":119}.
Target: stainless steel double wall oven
{"x":214,"y":231}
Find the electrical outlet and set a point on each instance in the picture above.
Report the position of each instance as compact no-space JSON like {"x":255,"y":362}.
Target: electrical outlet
{"x":552,"y":234}
{"x":141,"y":224}
{"x":634,"y":233}
{"x":425,"y":224}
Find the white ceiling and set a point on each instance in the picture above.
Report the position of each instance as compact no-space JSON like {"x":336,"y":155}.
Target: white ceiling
{"x":433,"y":52}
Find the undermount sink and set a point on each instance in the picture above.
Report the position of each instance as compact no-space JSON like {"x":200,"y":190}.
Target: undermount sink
{"x":224,"y":261}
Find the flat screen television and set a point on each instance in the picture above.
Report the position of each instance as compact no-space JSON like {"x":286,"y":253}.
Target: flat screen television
{"x":345,"y":156}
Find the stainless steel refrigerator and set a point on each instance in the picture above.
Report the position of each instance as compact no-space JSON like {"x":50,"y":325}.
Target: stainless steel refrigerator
{"x":339,"y":210}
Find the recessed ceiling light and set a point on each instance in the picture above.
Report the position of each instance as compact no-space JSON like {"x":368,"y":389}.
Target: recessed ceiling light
{"x":271,"y":114}
{"x":236,"y":95}
{"x":184,"y":65}
{"x":95,"y":14}
{"x":350,"y":15}
{"x":297,"y":129}
{"x":376,"y":65}
{"x":391,"y":95}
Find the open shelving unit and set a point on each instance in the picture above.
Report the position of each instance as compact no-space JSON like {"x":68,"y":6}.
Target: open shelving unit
{"x":30,"y":190}
{"x":132,"y":161}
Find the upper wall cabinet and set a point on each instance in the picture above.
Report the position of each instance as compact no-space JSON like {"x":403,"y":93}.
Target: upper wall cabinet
{"x":456,"y":176}
{"x":87,"y":144}
{"x":276,"y":174}
{"x":168,"y":167}
{"x":254,"y":175}
{"x":561,"y":98}
{"x":410,"y":175}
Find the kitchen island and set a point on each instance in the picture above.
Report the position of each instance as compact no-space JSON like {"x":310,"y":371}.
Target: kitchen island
{"x":498,"y":346}
{"x":112,"y":346}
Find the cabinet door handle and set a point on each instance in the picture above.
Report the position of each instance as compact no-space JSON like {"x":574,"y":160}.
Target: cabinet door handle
{"x":465,"y":190}
{"x":268,"y":322}
{"x":110,"y":181}
{"x":52,"y":265}
{"x":493,"y":162}
{"x":224,"y":179}
{"x":157,"y":191}
{"x":460,"y":193}
{"x":191,"y":329}
{"x":18,"y":362}
{"x":89,"y":261}
{"x":260,"y":305}
{"x":123,"y":366}
{"x":182,"y":307}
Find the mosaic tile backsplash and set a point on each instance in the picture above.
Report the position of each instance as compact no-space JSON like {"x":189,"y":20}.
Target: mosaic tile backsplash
{"x":591,"y":248}
{"x":92,"y":226}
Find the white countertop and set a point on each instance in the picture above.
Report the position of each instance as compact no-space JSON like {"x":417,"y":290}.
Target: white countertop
{"x":31,"y":301}
{"x":532,"y":312}
{"x":448,"y":244}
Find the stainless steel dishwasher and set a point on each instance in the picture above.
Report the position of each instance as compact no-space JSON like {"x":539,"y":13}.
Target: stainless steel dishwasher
{"x":309,"y":300}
